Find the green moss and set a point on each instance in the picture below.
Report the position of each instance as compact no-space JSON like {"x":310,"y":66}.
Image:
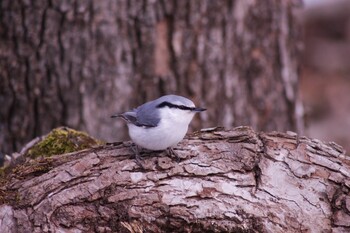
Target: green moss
{"x":58,"y":141}
{"x":62,"y":140}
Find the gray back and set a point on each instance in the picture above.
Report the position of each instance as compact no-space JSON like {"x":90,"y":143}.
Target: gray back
{"x":148,"y":114}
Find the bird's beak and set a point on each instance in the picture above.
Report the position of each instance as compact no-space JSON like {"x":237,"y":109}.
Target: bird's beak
{"x":199,"y":109}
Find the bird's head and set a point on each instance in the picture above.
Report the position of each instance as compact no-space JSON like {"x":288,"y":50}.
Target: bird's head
{"x":177,"y":108}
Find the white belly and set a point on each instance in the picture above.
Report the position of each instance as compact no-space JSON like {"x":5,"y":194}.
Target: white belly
{"x":157,"y":138}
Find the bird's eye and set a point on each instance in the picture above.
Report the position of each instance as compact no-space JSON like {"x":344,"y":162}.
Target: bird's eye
{"x":170,"y":105}
{"x":183,"y":107}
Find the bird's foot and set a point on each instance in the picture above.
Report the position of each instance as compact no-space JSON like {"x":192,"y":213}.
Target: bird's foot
{"x":172,"y":154}
{"x":136,"y":151}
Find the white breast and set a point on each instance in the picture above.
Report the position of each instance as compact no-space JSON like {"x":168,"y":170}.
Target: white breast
{"x":170,"y":131}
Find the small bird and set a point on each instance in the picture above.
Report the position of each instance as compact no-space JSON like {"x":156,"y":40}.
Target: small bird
{"x":160,"y":124}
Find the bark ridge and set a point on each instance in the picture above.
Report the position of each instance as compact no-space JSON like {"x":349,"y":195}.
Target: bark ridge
{"x":227,"y":180}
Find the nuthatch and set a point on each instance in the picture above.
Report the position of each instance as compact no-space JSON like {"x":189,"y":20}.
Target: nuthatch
{"x":160,"y":124}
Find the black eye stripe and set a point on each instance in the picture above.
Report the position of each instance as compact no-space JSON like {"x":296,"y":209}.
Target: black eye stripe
{"x":170,"y":105}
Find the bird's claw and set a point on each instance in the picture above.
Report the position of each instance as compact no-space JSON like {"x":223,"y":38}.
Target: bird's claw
{"x":172,"y":154}
{"x":138,"y":158}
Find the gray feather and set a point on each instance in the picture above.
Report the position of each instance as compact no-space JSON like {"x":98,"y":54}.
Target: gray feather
{"x":147,"y":115}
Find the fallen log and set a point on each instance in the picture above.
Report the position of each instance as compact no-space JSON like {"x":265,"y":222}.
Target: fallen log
{"x":234,"y":180}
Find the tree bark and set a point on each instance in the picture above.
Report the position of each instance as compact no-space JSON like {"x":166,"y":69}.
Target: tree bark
{"x":227,"y":181}
{"x":74,"y":63}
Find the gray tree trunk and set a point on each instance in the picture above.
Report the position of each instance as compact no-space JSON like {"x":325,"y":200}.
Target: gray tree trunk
{"x":227,"y":181}
{"x":74,"y":63}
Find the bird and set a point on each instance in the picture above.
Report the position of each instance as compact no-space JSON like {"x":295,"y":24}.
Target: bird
{"x":160,"y":124}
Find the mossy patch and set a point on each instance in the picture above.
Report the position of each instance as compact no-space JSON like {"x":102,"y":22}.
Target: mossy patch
{"x":59,"y":141}
{"x":62,"y":140}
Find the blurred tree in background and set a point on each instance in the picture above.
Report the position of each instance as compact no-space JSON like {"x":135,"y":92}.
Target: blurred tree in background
{"x":75,"y":63}
{"x":325,"y":72}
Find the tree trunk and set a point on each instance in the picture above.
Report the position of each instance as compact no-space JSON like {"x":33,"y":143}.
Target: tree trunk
{"x":227,"y":181}
{"x":75,"y":63}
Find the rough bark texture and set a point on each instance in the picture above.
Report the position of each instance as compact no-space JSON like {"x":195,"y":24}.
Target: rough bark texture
{"x":75,"y":63}
{"x":235,"y":180}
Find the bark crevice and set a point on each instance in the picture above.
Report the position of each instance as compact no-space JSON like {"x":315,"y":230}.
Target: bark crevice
{"x":227,"y":180}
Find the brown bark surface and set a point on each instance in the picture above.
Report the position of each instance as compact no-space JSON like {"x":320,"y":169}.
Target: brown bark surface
{"x":235,"y":180}
{"x":74,"y":63}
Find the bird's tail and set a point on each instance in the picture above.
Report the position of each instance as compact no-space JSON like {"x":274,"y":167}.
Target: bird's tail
{"x":121,"y":116}
{"x":117,"y":115}
{"x":129,"y":117}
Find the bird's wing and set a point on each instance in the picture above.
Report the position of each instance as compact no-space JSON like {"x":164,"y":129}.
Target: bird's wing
{"x":141,"y":118}
{"x":147,"y":115}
